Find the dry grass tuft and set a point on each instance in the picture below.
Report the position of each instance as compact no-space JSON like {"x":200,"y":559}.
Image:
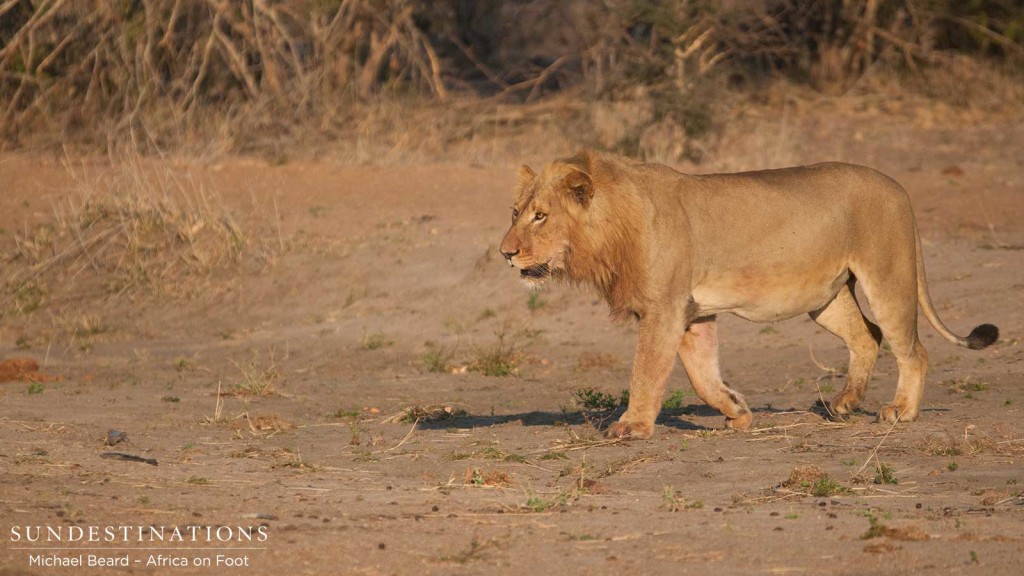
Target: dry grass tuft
{"x":479,"y":477}
{"x":259,"y":376}
{"x":430,"y":413}
{"x":501,"y":358}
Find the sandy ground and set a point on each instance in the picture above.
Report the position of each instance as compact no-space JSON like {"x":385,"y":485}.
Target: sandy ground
{"x":380,"y":265}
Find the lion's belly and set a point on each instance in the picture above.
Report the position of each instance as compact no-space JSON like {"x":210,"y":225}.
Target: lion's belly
{"x":768,"y":298}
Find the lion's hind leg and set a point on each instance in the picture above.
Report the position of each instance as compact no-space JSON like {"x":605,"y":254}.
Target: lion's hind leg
{"x":699,"y":354}
{"x":843,"y":317}
{"x":891,"y":290}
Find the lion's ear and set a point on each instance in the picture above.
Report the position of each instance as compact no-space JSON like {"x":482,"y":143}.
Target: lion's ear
{"x":526,"y":176}
{"x":580,"y":186}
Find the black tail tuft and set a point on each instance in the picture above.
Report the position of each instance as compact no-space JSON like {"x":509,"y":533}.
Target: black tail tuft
{"x":982,"y":336}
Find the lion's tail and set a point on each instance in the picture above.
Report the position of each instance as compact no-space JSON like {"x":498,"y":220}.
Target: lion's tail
{"x":982,"y":336}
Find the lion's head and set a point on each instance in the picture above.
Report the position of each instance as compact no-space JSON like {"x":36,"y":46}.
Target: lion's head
{"x":547,"y":211}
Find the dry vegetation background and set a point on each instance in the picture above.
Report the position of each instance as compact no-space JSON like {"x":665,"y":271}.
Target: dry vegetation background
{"x":259,"y":237}
{"x":274,"y":76}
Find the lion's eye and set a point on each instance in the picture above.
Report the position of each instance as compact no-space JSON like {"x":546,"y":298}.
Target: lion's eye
{"x":540,"y":216}
{"x":515,"y":214}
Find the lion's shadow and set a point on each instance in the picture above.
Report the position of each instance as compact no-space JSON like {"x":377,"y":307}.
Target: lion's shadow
{"x":674,"y":418}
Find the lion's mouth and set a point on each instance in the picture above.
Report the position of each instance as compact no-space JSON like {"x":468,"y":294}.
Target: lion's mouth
{"x":536,"y":272}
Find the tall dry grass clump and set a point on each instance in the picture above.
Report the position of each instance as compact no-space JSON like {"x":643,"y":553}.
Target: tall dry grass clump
{"x":171,"y":67}
{"x":134,"y":229}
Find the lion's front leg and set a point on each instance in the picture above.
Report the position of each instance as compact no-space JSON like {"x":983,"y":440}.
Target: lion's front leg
{"x":655,"y":356}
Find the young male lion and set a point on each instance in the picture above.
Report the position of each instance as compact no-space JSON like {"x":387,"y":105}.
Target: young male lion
{"x":675,"y":250}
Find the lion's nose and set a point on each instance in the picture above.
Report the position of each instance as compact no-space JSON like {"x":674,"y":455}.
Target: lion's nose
{"x":509,"y":255}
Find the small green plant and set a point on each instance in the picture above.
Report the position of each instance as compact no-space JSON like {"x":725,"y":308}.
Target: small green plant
{"x":768,"y":330}
{"x":28,"y":298}
{"x":501,"y":359}
{"x":491,"y":452}
{"x":950,"y":450}
{"x":365,"y":456}
{"x":23,"y":343}
{"x":579,"y":537}
{"x":184,"y":365}
{"x":886,"y":474}
{"x":952,"y":466}
{"x":538,"y":504}
{"x":535,"y":302}
{"x":670,"y":501}
{"x":374,"y":341}
{"x":675,"y":401}
{"x":496,"y":363}
{"x":343,"y":414}
{"x":595,"y":401}
{"x":875,"y":528}
{"x":554,"y":456}
{"x":437,"y":358}
{"x":356,"y":432}
{"x":825,"y":487}
{"x":197,"y":480}
{"x":476,"y":551}
{"x":36,"y":388}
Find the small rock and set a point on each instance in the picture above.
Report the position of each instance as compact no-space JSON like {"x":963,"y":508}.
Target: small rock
{"x":116,"y":437}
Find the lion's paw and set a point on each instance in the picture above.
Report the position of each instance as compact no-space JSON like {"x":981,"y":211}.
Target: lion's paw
{"x":630,"y":430}
{"x":741,"y":422}
{"x":894,"y":412}
{"x":843,"y":405}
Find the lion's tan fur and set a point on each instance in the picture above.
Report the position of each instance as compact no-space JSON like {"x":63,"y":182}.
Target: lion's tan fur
{"x":676,"y":250}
